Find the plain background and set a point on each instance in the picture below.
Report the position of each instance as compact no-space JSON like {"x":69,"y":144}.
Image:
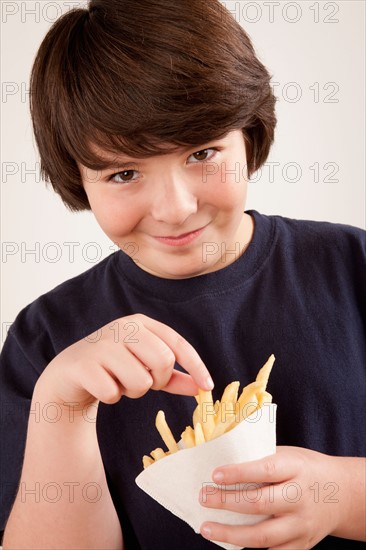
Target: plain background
{"x":316,"y":170}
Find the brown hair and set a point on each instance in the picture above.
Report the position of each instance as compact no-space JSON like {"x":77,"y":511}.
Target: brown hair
{"x":130,"y":75}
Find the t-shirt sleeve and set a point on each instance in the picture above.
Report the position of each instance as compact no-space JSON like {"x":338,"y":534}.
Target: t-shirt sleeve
{"x":17,"y":380}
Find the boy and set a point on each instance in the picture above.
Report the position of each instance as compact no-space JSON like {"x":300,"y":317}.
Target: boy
{"x":140,"y":112}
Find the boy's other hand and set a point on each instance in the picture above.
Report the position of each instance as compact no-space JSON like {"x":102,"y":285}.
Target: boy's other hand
{"x":308,"y":495}
{"x":129,"y":357}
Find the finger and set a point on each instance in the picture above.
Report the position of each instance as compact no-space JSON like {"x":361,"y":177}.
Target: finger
{"x":99,"y":382}
{"x":181,"y":384}
{"x":184,"y":353}
{"x":265,"y":534}
{"x":281,"y":466}
{"x":126,"y":370}
{"x":250,"y":499}
{"x":155,"y":355}
{"x":159,"y":359}
{"x":301,"y":544}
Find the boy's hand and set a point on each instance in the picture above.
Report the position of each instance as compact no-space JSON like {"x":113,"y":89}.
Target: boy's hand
{"x":310,"y":495}
{"x":128,"y":357}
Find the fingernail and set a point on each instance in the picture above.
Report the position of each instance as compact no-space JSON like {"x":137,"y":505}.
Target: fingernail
{"x":206,"y":532}
{"x":218,"y":477}
{"x":209,"y":383}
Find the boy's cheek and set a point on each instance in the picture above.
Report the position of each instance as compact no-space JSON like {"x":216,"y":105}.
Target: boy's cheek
{"x":116,"y":224}
{"x":228,"y":195}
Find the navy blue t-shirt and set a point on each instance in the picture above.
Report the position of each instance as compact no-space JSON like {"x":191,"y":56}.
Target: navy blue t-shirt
{"x":298,"y":291}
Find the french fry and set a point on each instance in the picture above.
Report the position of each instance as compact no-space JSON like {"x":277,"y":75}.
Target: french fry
{"x":198,"y":434}
{"x":246,"y":409}
{"x":265,"y":371}
{"x":227,"y":410}
{"x":250,"y":407}
{"x":226,"y":406}
{"x":221,"y":426}
{"x":157,"y":454}
{"x":217,"y":411}
{"x":147,"y":461}
{"x":164,"y":431}
{"x":248,"y":391}
{"x":264,"y":397}
{"x":196,"y":417}
{"x":245,"y":403}
{"x":212,"y":420}
{"x":230,"y":395}
{"x":207,"y":413}
{"x":188,"y":437}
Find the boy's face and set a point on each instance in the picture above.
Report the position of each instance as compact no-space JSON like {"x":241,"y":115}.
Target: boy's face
{"x":150,"y":207}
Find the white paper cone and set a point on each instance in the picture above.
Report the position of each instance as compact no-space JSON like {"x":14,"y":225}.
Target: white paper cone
{"x":175,"y":481}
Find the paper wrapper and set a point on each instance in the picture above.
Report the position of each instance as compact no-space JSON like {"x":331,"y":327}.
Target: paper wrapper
{"x":175,"y":480}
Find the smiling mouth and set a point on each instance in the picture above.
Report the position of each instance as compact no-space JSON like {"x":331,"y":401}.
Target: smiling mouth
{"x":184,"y":238}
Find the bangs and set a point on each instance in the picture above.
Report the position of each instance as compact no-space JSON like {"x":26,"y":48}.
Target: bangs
{"x":135,"y":93}
{"x":96,"y":154}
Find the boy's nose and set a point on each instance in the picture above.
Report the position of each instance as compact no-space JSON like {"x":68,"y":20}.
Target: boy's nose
{"x":174,"y":203}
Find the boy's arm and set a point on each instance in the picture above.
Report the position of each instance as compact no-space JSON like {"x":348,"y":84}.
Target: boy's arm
{"x":63,"y":499}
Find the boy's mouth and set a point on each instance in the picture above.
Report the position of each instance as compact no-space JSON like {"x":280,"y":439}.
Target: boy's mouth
{"x":183,"y":239}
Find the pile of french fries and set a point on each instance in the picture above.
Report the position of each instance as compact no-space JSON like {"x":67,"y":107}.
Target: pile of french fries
{"x":210,"y":420}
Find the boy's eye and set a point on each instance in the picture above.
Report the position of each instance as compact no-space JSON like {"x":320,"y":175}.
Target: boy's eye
{"x":123,"y":177}
{"x":204,"y":154}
